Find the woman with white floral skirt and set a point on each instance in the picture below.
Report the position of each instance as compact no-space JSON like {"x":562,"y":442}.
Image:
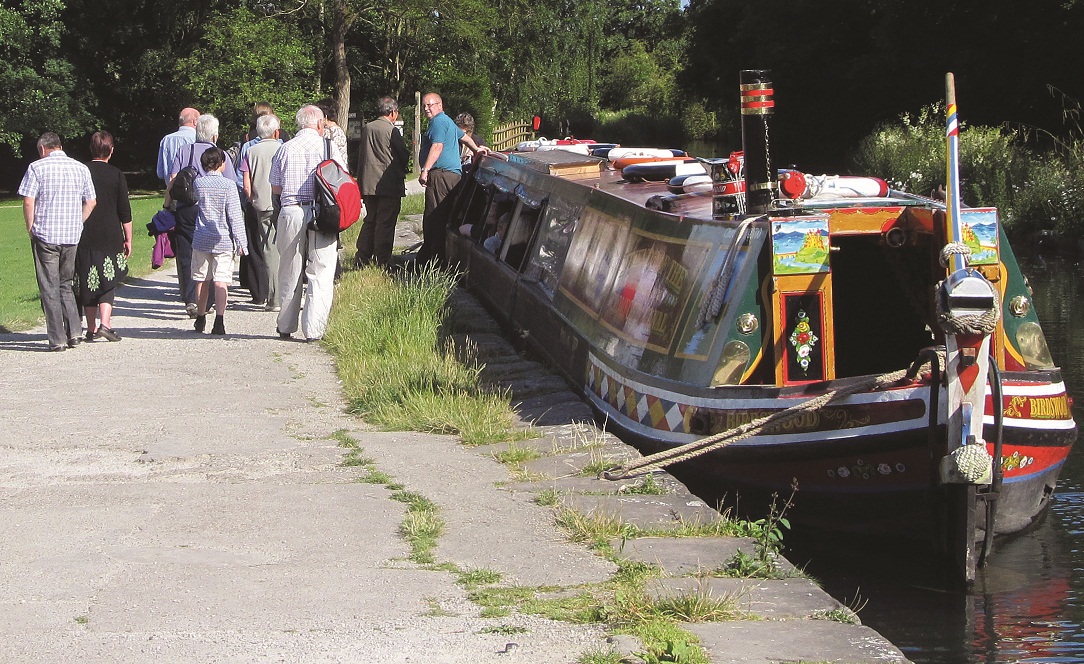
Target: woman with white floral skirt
{"x":101,"y":261}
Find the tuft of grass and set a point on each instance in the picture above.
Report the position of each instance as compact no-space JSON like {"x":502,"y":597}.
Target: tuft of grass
{"x":848,"y":614}
{"x":699,"y":606}
{"x":474,"y":579}
{"x":842,"y":615}
{"x":547,"y":497}
{"x":507,"y":630}
{"x":595,"y":529}
{"x":421,"y":527}
{"x":412,"y":204}
{"x":600,"y":657}
{"x":516,"y":455}
{"x":343,"y":437}
{"x":645,"y":487}
{"x":378,"y":477}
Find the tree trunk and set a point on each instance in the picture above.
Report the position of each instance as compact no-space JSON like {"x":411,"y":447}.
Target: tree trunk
{"x":343,"y":19}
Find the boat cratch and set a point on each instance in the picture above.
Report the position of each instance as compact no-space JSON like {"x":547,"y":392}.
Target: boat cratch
{"x":875,"y":348}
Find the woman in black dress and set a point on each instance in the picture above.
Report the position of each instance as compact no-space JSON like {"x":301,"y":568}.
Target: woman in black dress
{"x":101,"y":261}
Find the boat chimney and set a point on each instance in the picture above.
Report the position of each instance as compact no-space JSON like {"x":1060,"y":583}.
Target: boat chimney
{"x":757,"y":105}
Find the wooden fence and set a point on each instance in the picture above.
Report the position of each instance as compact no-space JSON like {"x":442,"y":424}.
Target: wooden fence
{"x":510,"y":134}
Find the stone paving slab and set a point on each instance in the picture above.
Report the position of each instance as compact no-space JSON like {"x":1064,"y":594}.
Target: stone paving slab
{"x":686,"y":555}
{"x":774,"y":641}
{"x":770,"y":599}
{"x":646,"y":512}
{"x":575,"y":462}
{"x":176,"y":497}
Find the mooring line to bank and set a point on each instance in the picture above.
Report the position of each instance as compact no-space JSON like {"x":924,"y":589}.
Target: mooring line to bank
{"x":722,"y":439}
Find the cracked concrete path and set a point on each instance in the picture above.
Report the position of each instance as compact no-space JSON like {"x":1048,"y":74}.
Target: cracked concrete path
{"x":176,"y":497}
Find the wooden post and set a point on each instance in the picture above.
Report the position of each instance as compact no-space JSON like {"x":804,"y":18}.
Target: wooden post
{"x":417,"y":131}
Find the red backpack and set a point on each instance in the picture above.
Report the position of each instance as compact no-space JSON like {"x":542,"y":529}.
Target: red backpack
{"x":338,"y":198}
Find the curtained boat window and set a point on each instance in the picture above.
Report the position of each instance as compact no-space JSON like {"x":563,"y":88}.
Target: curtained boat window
{"x":555,"y":237}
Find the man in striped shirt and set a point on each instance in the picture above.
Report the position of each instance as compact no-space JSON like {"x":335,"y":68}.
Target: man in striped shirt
{"x":58,"y":196}
{"x":303,"y":252}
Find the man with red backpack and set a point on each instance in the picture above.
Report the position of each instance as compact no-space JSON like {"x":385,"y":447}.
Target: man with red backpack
{"x":307,"y":257}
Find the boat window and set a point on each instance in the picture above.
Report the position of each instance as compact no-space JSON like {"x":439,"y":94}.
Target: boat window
{"x":471,"y":206}
{"x":501,"y":206}
{"x":558,"y":223}
{"x":520,"y":231}
{"x":484,"y":177}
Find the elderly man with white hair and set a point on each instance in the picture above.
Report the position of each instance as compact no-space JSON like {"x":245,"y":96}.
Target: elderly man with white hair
{"x":263,"y":256}
{"x":303,"y":252}
{"x":189,"y":155}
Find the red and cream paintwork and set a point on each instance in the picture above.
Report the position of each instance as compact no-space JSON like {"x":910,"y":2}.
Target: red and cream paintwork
{"x":876,"y":444}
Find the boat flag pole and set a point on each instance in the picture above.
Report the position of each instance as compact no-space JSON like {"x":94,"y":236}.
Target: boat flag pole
{"x":967,"y":309}
{"x":952,"y":175}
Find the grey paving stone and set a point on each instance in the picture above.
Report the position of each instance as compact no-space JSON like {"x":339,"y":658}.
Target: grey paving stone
{"x":771,"y":599}
{"x":646,"y":512}
{"x":686,"y":555}
{"x":771,"y":642}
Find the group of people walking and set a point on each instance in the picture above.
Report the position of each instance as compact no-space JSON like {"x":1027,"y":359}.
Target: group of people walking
{"x":260,"y":208}
{"x":80,"y":226}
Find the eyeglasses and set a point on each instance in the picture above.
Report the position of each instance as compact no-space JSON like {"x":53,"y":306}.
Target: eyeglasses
{"x":436,"y":103}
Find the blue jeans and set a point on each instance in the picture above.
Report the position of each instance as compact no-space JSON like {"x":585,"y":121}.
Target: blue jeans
{"x":54,"y":266}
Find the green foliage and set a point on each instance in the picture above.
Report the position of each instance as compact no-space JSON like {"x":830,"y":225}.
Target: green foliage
{"x":38,"y":87}
{"x":1032,"y":191}
{"x":636,"y":80}
{"x":768,"y":534}
{"x":241,"y":59}
{"x":639,"y":128}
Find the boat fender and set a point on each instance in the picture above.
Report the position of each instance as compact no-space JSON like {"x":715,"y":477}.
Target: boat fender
{"x":968,"y":464}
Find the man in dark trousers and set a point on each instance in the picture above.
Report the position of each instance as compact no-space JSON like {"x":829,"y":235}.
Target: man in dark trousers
{"x":383,"y":176}
{"x":58,"y":196}
{"x":441,"y":172}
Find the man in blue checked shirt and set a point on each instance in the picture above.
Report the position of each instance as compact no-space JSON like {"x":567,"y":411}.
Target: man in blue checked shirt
{"x":58,"y":196}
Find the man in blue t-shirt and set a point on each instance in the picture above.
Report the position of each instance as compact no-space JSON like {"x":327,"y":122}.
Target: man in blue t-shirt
{"x":441,"y":172}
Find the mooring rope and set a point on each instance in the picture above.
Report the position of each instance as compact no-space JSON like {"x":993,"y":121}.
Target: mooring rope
{"x":729,"y":437}
{"x":980,"y":323}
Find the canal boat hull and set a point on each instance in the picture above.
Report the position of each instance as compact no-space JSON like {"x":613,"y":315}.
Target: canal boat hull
{"x":690,"y":318}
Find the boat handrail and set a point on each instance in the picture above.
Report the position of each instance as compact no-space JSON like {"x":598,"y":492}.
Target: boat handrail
{"x":713,"y":303}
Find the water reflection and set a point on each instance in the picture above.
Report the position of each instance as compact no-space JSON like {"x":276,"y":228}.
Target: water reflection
{"x":1027,"y":603}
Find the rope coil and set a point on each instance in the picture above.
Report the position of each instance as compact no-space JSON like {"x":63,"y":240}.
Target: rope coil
{"x":953,"y":249}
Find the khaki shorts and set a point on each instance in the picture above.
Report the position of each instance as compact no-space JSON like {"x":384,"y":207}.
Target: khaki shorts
{"x":219,"y":266}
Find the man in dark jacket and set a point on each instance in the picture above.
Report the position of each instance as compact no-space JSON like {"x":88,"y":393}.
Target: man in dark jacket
{"x":382,"y":176}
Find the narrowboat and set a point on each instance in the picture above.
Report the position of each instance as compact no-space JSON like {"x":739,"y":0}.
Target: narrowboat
{"x":900,"y":387}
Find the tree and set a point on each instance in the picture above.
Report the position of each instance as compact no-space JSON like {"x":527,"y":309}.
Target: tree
{"x":242,"y":58}
{"x":38,"y":90}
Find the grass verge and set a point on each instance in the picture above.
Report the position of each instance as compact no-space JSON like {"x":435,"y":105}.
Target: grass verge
{"x":20,"y":303}
{"x":397,"y":373}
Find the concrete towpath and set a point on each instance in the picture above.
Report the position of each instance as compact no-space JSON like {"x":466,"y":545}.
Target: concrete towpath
{"x":179,"y":497}
{"x":176,"y":497}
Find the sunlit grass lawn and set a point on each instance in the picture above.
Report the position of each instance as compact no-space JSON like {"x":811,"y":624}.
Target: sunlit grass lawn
{"x":20,"y":306}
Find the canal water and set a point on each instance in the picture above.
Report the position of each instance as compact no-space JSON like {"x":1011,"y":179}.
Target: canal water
{"x":1028,"y":603}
